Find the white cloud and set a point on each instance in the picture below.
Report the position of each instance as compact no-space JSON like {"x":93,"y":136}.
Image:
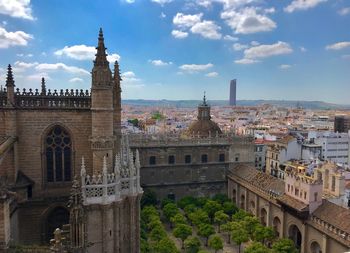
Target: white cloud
{"x":239,"y":47}
{"x":76,"y":80}
{"x":254,"y":43}
{"x":346,"y":56}
{"x":16,"y":8}
{"x":61,"y":66}
{"x":264,"y":51}
{"x":194,"y":68}
{"x":285,"y":66}
{"x":230,"y":38}
{"x":83,"y":52}
{"x":20,"y":66}
{"x":38,"y":76}
{"x":207,"y":29}
{"x":130,"y":1}
{"x":212,"y":74}
{"x":162,"y":2}
{"x":303,"y":49}
{"x":10,"y":39}
{"x":179,"y":34}
{"x":113,"y":58}
{"x":246,"y":61}
{"x":338,"y":46}
{"x":130,"y":80}
{"x":302,"y":5}
{"x":186,"y":21}
{"x":228,"y":4}
{"x":160,"y":63}
{"x":162,"y":15}
{"x":247,"y":20}
{"x":344,"y":11}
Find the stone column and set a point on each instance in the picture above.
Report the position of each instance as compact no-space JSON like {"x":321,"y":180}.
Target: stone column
{"x":304,"y":238}
{"x":324,"y":243}
{"x":256,"y":205}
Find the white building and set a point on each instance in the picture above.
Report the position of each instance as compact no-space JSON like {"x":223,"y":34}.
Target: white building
{"x":335,"y":146}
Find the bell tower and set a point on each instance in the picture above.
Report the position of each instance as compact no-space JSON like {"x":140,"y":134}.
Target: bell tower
{"x":102,"y":108}
{"x":204,"y":110}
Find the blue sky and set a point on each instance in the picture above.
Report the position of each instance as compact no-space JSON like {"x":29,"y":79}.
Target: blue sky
{"x":172,"y":49}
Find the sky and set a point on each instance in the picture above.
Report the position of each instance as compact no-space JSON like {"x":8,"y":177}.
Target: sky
{"x":177,"y":49}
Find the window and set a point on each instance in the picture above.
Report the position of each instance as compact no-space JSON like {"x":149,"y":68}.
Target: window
{"x":288,"y":187}
{"x":58,"y":154}
{"x":171,"y":159}
{"x":222,"y":158}
{"x":333,"y":183}
{"x":297,"y":192}
{"x":204,"y":158}
{"x":152,"y":160}
{"x":304,"y":195}
{"x":236,"y":159}
{"x":188,"y":158}
{"x":315,"y":196}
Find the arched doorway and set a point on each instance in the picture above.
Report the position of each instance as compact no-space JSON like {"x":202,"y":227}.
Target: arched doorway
{"x":295,"y":235}
{"x":56,"y":218}
{"x":277,"y":226}
{"x":252,"y":207}
{"x":263,"y":216}
{"x":242,"y":204}
{"x":315,"y":247}
{"x":234,"y":196}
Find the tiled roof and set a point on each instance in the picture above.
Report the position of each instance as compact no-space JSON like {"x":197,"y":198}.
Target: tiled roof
{"x":335,"y":215}
{"x":292,"y":202}
{"x":258,"y":179}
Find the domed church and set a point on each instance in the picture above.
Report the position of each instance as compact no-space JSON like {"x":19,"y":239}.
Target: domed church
{"x":204,"y":126}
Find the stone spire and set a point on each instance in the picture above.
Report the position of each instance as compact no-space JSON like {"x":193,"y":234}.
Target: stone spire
{"x":43,"y":86}
{"x":101,"y":56}
{"x":204,"y":100}
{"x":9,"y":79}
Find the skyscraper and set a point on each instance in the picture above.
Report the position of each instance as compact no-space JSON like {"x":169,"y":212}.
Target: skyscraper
{"x":233,"y":92}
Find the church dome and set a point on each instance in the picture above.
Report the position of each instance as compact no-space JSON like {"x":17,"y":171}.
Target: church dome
{"x":204,"y":126}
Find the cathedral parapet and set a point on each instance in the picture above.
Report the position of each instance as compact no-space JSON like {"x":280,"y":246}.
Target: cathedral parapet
{"x":33,"y":98}
{"x":145,"y":140}
{"x":106,"y":188}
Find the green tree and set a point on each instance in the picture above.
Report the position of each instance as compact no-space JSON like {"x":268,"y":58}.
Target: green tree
{"x":185,"y":201}
{"x":166,"y":201}
{"x":227,"y":229}
{"x":202,"y":251}
{"x":215,"y":242}
{"x":178,"y":219}
{"x":220,"y":218}
{"x":284,"y":246}
{"x":240,"y":215}
{"x":206,"y":230}
{"x":198,"y":217}
{"x":190,"y":209}
{"x":211,"y":207}
{"x":182,"y":231}
{"x":144,"y":247}
{"x":250,"y":224}
{"x":263,"y":234}
{"x":149,"y":198}
{"x":257,"y":247}
{"x":169,"y":210}
{"x":165,"y":245}
{"x":192,"y":244}
{"x":201,"y":201}
{"x":157,"y":233}
{"x":221,"y":198}
{"x":239,"y":234}
{"x":229,"y":208}
{"x":148,"y":212}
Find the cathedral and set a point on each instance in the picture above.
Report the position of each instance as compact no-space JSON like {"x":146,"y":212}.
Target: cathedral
{"x":53,"y":139}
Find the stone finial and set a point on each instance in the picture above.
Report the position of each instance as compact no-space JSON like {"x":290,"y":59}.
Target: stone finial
{"x":137,"y":160}
{"x":10,"y":83}
{"x":117,"y":166}
{"x":104,"y":168}
{"x":43,"y":86}
{"x":117,"y":75}
{"x":101,"y":56}
{"x":204,"y":100}
{"x":83,"y":168}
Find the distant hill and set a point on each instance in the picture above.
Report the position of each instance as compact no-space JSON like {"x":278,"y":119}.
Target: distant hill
{"x":316,"y":105}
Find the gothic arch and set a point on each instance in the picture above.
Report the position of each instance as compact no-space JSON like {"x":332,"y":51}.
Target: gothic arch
{"x":242,"y":202}
{"x":263,"y":216}
{"x":295,"y":235}
{"x":234,"y":195}
{"x":315,"y":247}
{"x":53,"y":217}
{"x":57,"y":154}
{"x":252,"y":207}
{"x":276,"y":223}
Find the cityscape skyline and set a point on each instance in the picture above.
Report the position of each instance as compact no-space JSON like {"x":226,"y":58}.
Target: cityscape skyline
{"x":278,"y":50}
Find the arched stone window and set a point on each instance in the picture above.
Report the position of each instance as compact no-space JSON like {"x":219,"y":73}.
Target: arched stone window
{"x":242,"y":204}
{"x":315,"y":247}
{"x":277,"y":226}
{"x":252,"y":207}
{"x":58,"y":155}
{"x":234,"y":196}
{"x":263,"y":216}
{"x":295,"y":235}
